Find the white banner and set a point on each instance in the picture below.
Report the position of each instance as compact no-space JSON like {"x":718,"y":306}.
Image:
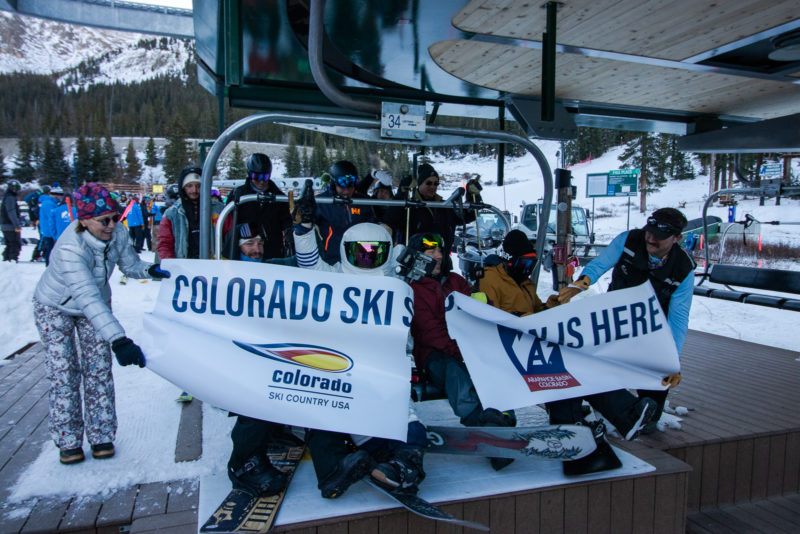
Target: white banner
{"x":620,"y":339}
{"x":288,"y":345}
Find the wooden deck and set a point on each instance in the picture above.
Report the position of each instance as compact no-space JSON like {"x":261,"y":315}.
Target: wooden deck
{"x":734,"y":466}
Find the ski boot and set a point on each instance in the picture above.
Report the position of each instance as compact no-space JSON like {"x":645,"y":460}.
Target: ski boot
{"x":603,"y":458}
{"x":404,"y":471}
{"x":350,"y":470}
{"x":639,"y":415}
{"x":258,"y":477}
{"x":492,"y":417}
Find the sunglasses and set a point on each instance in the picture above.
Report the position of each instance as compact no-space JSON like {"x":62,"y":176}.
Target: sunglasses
{"x":431,"y":184}
{"x":105,"y":221}
{"x":431,"y":241}
{"x":346,"y":180}
{"x":259,"y":176}
{"x":662,"y":227}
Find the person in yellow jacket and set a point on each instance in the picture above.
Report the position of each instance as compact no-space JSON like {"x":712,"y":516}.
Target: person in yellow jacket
{"x":507,"y":283}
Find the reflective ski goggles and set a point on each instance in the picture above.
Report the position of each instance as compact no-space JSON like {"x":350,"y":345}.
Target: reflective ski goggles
{"x":260,"y":176}
{"x":525,"y":262}
{"x":367,"y":254}
{"x":431,"y":241}
{"x":105,"y":221}
{"x":346,"y":180}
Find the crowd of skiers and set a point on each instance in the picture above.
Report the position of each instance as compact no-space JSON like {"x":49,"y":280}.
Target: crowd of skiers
{"x":73,"y":296}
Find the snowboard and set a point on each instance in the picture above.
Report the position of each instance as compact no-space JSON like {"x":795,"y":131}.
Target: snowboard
{"x":423,"y":508}
{"x":240,"y":511}
{"x":548,"y":442}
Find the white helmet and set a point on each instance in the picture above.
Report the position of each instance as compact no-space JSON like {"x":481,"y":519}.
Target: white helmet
{"x":366,"y":248}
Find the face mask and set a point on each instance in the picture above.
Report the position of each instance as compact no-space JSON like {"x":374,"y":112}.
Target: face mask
{"x":248,"y":258}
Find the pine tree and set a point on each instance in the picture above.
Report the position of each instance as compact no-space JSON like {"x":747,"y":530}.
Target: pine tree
{"x":292,"y":160}
{"x":96,"y":158}
{"x":108,"y":167}
{"x":319,"y":160}
{"x":237,"y":169}
{"x":306,"y":162}
{"x":640,"y":153}
{"x":24,"y":170}
{"x":83,"y":159}
{"x":150,"y":154}
{"x":176,"y":151}
{"x":54,"y":168}
{"x":133,"y":169}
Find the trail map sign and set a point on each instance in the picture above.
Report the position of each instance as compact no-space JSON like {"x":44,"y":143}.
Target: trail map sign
{"x":620,"y":183}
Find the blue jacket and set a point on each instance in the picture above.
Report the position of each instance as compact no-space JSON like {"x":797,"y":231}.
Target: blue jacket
{"x":46,"y":222}
{"x":60,"y":218}
{"x":680,"y":302}
{"x":155,"y":211}
{"x":135,"y":217}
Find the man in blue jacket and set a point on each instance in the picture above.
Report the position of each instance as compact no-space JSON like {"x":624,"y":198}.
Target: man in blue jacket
{"x":136,"y":225}
{"x":47,"y":203}
{"x":333,"y":219}
{"x":649,"y":254}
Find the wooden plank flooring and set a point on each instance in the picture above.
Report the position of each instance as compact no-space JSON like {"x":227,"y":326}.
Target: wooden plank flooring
{"x":741,"y":439}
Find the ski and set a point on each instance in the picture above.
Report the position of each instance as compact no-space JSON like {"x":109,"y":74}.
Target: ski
{"x":423,"y":508}
{"x":548,"y":442}
{"x":240,"y":511}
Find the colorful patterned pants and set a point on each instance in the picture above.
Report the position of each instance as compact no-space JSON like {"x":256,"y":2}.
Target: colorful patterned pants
{"x":66,"y":367}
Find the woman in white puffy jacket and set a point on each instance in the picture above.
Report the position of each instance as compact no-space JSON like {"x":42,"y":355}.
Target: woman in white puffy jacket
{"x":73,"y":301}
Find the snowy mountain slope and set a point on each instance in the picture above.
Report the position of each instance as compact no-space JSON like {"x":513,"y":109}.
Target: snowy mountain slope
{"x":39,"y":46}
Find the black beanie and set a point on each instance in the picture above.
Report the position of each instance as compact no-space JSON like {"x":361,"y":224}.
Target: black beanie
{"x":425,"y":171}
{"x":517,"y":244}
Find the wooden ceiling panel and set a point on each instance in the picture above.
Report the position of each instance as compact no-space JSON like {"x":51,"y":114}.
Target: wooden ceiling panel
{"x":673,"y":30}
{"x":518,"y":70}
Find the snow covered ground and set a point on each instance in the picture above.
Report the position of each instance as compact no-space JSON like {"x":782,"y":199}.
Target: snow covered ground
{"x":148,"y":415}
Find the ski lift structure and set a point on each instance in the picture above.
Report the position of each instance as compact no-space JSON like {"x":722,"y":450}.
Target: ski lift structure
{"x":366,"y":130}
{"x":412,"y":131}
{"x":749,"y":278}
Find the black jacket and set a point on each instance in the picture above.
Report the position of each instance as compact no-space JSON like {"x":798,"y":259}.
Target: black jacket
{"x":631,"y":269}
{"x":333,"y":219}
{"x":270,"y":218}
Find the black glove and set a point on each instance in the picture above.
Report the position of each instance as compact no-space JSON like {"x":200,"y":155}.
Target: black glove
{"x":307,"y":204}
{"x":474,"y":189}
{"x":404,"y":187}
{"x":156,"y":272}
{"x":127,"y":352}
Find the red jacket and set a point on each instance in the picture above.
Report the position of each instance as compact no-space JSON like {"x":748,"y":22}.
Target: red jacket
{"x":428,"y":327}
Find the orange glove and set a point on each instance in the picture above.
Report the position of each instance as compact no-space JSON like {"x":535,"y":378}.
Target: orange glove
{"x":672,"y":380}
{"x":565,"y":294}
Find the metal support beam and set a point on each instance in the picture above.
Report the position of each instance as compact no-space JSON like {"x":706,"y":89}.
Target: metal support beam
{"x":549,"y":63}
{"x":772,"y":135}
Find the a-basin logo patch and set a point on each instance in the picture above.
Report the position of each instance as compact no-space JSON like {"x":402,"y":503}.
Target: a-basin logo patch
{"x":311,"y":356}
{"x":528,"y":356}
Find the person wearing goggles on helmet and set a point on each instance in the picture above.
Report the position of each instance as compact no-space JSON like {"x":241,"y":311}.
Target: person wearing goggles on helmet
{"x":340,"y":459}
{"x":271,"y":220}
{"x":506,"y":281}
{"x":436,"y":355}
{"x":333,"y":219}
{"x":649,"y":254}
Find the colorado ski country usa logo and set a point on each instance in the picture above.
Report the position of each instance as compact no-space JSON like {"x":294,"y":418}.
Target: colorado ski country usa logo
{"x":311,"y":356}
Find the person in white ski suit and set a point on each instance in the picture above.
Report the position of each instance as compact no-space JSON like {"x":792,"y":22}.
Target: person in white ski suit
{"x":73,"y":300}
{"x":340,"y":459}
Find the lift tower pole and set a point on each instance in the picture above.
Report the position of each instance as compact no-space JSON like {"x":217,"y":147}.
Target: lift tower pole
{"x":562,"y":252}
